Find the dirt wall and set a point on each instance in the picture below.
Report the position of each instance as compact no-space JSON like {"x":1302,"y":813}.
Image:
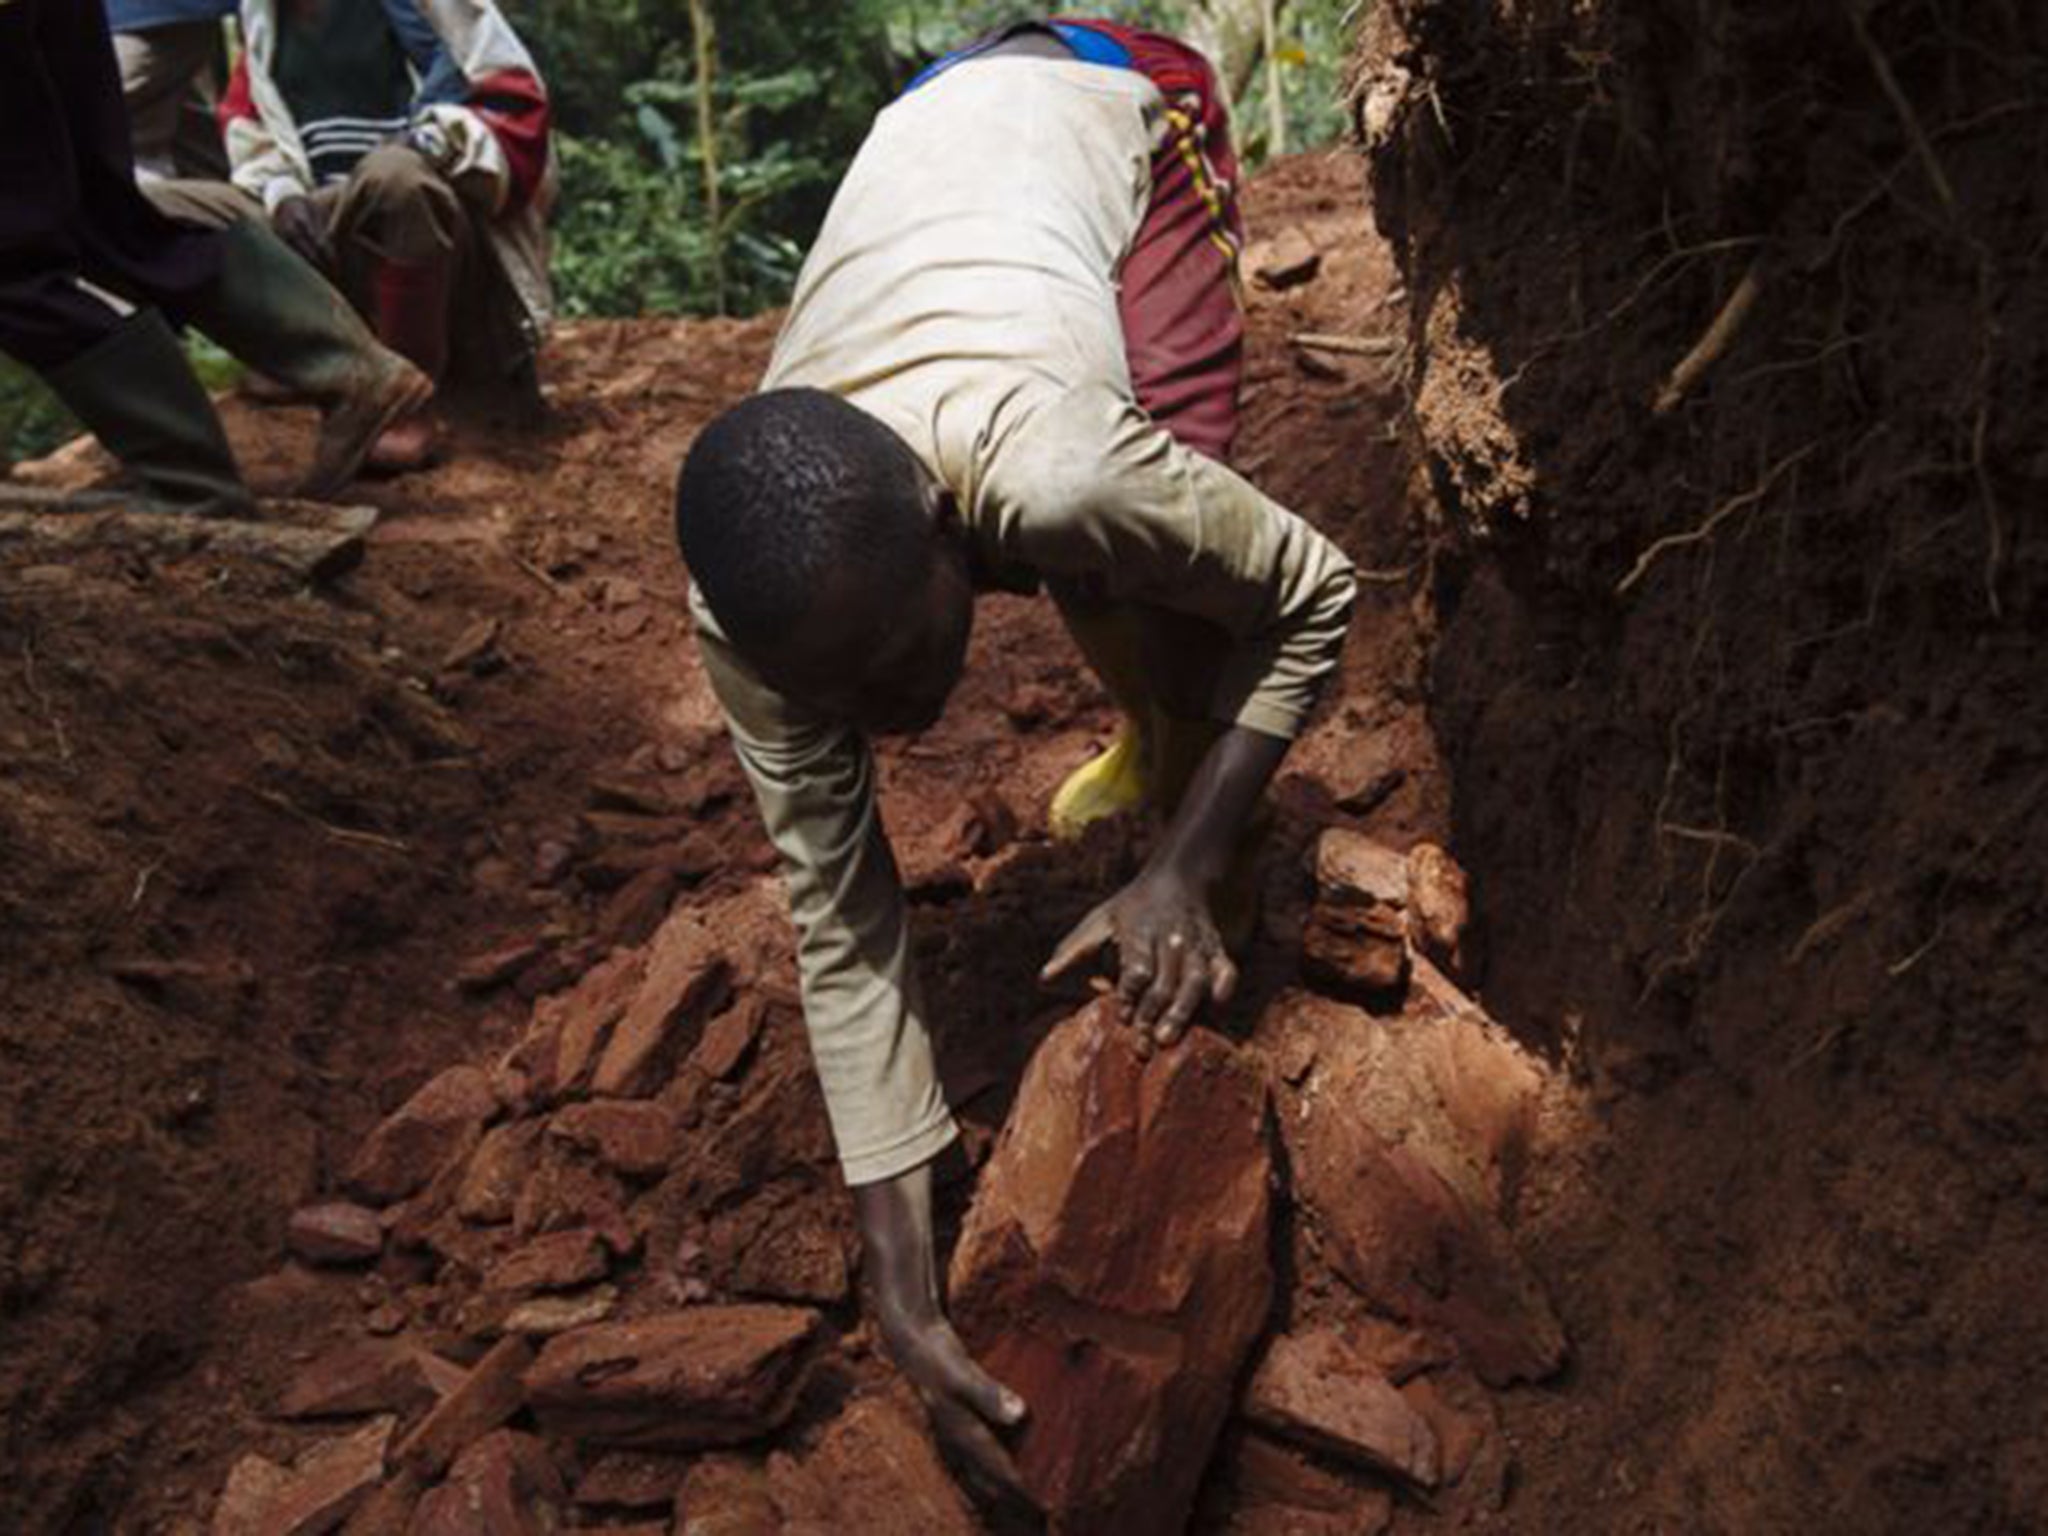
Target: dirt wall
{"x":1728,"y":356}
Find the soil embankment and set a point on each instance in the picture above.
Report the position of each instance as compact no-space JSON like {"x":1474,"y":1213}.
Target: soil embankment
{"x":1727,"y":373}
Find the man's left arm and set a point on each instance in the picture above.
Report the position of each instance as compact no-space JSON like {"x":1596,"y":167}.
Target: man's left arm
{"x":482,"y":115}
{"x":1113,"y":498}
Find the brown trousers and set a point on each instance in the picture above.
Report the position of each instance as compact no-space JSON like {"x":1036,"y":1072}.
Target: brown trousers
{"x":394,"y":207}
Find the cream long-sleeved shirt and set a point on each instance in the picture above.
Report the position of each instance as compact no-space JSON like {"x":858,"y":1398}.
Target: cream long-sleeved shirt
{"x":963,"y":291}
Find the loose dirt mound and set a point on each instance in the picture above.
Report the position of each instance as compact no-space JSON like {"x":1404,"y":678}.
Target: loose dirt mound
{"x":278,"y":867}
{"x":1728,"y":363}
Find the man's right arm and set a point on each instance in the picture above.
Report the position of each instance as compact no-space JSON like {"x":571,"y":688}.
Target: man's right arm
{"x":814,"y":781}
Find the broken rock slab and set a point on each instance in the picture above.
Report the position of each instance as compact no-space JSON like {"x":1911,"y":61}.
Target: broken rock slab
{"x":873,"y":1468}
{"x":1401,"y":1204}
{"x":634,"y":1137}
{"x":1114,"y":1267}
{"x":503,"y":1485}
{"x":1355,"y":943}
{"x":1317,"y":1389}
{"x":437,"y":1124}
{"x":1275,"y":1490}
{"x":706,"y":1377}
{"x":559,"y":1261}
{"x":1439,"y":905}
{"x":322,"y":1489}
{"x":377,"y":1376}
{"x":688,"y":978}
{"x":337,"y":1233}
{"x":726,"y":1496}
{"x":1287,"y":260}
{"x":490,"y":1394}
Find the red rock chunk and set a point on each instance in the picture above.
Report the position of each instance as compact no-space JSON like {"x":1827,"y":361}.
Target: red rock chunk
{"x":1114,"y":1267}
{"x":321,"y":1490}
{"x":499,"y":967}
{"x":687,"y":978}
{"x":1439,"y":905}
{"x":356,"y":1378}
{"x":429,"y":1130}
{"x":633,"y":1137}
{"x":1317,"y":1389}
{"x":632,"y":1480}
{"x":336,"y":1233}
{"x":503,"y":1485}
{"x":491,"y":1393}
{"x":503,"y":1163}
{"x":726,"y":1496}
{"x":1355,"y":943}
{"x":873,"y":1466}
{"x":1417,"y":1248}
{"x":709,"y":1376}
{"x":560,"y":1261}
{"x":1277,"y":1491}
{"x":546,"y":1316}
{"x":728,"y":1039}
{"x":1287,"y":260}
{"x":584,"y":1017}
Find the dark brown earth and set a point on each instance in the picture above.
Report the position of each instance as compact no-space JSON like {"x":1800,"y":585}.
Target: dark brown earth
{"x":272,"y":862}
{"x":275,"y":859}
{"x":1744,"y":702}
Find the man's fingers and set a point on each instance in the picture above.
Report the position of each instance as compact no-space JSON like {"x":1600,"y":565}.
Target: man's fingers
{"x":966,"y":1382}
{"x":1173,"y":962}
{"x":1089,"y":935}
{"x":1137,"y":965}
{"x":1194,"y":986}
{"x":1222,"y":977}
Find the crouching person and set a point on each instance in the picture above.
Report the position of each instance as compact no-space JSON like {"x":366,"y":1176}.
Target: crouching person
{"x":172,"y":55}
{"x":403,"y":148}
{"x":93,"y":282}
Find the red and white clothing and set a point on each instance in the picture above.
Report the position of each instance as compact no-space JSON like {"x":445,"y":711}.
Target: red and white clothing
{"x":478,"y":110}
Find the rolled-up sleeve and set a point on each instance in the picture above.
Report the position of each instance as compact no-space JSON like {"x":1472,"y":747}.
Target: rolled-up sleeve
{"x":815,"y":784}
{"x":1091,"y":489}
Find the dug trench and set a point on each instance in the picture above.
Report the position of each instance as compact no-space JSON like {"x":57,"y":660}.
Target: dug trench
{"x":409,"y":1108}
{"x":410,"y":1125}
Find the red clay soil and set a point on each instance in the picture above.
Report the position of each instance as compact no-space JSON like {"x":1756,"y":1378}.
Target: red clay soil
{"x":253,"y":840}
{"x":272,"y":861}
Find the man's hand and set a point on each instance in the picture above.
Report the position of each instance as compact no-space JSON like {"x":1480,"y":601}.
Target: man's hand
{"x":299,"y":225}
{"x":1170,"y":958}
{"x":964,"y":1400}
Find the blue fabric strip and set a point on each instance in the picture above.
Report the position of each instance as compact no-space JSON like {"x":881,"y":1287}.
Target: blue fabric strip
{"x":1082,"y":41}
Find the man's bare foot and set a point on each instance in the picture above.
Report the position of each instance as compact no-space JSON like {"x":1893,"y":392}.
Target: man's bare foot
{"x":411,"y":443}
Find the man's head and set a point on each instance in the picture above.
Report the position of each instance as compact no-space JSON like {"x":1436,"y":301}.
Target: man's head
{"x":831,"y":557}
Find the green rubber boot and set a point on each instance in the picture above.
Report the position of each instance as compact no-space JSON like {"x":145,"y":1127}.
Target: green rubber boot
{"x":136,"y":392}
{"x":279,"y":316}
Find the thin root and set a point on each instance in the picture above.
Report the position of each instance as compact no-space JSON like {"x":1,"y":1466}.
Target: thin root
{"x":1713,"y":522}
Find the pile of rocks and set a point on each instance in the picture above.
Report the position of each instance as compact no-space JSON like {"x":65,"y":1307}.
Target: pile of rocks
{"x":606,"y":1280}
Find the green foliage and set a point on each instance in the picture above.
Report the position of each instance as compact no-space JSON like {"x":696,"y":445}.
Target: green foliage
{"x":796,"y":85}
{"x":31,"y":420}
{"x":1315,"y":46}
{"x":795,"y":89}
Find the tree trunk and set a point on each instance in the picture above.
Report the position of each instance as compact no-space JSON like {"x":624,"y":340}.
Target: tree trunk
{"x":1233,"y":34}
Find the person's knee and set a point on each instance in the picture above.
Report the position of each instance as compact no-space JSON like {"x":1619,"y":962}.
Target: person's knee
{"x":213,"y":204}
{"x":408,"y":206}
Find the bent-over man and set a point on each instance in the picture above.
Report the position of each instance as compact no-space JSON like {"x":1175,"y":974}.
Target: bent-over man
{"x":1011,"y":362}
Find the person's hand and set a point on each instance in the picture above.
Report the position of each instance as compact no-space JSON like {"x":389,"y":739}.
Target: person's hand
{"x":1170,"y":957}
{"x":299,"y":225}
{"x":966,"y":1404}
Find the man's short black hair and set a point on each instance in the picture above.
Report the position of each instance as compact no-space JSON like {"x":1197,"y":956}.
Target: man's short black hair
{"x":786,"y":488}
